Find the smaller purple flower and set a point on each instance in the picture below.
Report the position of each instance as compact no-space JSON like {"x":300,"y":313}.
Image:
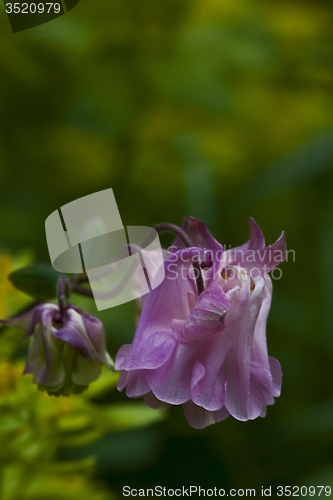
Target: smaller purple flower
{"x":66,"y":350}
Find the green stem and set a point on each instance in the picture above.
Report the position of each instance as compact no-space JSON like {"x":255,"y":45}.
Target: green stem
{"x":171,"y":228}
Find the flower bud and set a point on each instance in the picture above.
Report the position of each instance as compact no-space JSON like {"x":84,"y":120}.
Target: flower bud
{"x":66,"y":350}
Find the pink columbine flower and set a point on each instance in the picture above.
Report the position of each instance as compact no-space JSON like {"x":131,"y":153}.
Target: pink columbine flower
{"x":207,"y":352}
{"x":66,"y":350}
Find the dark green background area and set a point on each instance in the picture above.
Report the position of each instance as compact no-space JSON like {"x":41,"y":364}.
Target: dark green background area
{"x":209,"y":108}
{"x":70,"y":4}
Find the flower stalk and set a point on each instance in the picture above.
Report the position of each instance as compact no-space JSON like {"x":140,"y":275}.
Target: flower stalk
{"x":160,"y":228}
{"x":171,"y":228}
{"x":63,"y":293}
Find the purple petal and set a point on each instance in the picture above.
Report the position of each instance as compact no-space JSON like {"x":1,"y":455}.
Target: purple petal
{"x":199,"y":235}
{"x":74,"y":332}
{"x":261,"y":262}
{"x":198,"y":372}
{"x":135,"y":381}
{"x":260,"y":366}
{"x":256,"y":242}
{"x":45,"y":360}
{"x":253,"y":256}
{"x":21,"y":322}
{"x":136,"y":384}
{"x":265,"y":394}
{"x":255,"y":403}
{"x":149,"y":354}
{"x":94,"y":328}
{"x":201,"y":238}
{"x":171,"y":382}
{"x":29,"y":320}
{"x":154,"y":342}
{"x":276,"y":375}
{"x":205,"y":318}
{"x":169,"y":300}
{"x":208,"y":390}
{"x":199,"y":418}
{"x":238,"y":361}
{"x":121,"y":356}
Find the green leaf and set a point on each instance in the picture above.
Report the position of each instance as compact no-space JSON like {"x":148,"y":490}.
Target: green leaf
{"x":108,"y":418}
{"x":131,"y":415}
{"x":38,"y":280}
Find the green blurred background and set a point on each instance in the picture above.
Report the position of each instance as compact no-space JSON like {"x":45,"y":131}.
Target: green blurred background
{"x":218,"y":109}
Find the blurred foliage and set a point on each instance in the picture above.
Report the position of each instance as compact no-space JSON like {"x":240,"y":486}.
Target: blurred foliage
{"x":39,"y":281}
{"x":215,"y":109}
{"x":35,"y":427}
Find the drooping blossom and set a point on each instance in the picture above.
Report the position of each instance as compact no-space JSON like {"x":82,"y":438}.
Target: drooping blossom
{"x":66,"y":350}
{"x":207,"y":352}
